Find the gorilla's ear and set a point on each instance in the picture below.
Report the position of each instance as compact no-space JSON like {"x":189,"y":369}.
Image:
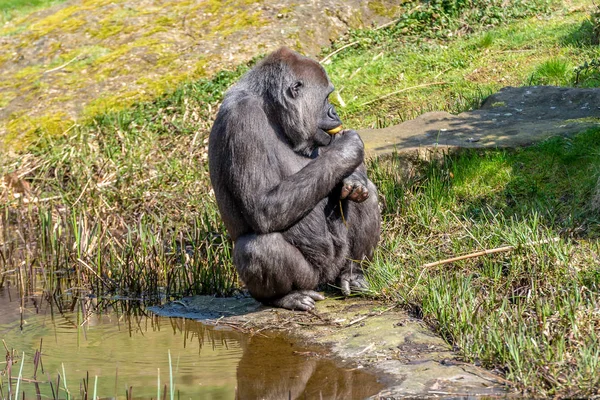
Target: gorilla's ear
{"x":295,"y":89}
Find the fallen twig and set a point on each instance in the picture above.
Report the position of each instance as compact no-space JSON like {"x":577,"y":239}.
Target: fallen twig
{"x":486,"y":252}
{"x":62,"y":66}
{"x":338,"y":50}
{"x":369,"y":347}
{"x":357,"y":320}
{"x":400,"y":91}
{"x":473,"y":255}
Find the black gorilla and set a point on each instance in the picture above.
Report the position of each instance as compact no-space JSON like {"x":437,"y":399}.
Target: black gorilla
{"x":295,"y":199}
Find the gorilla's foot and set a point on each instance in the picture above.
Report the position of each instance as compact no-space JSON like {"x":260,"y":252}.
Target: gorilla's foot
{"x":303,"y":300}
{"x":352,"y":282}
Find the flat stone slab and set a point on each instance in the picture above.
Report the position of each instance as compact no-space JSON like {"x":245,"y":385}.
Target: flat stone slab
{"x":513,"y":117}
{"x":409,"y":358}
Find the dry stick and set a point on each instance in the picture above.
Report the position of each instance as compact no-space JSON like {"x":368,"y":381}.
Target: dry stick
{"x":486,"y":252}
{"x":402,"y":90}
{"x":473,"y":255}
{"x":62,"y":66}
{"x":357,"y":320}
{"x":338,"y":50}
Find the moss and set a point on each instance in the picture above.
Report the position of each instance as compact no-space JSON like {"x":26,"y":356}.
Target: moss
{"x":155,"y":30}
{"x":110,"y":103}
{"x":242,"y":20}
{"x":26,"y":78}
{"x":150,"y":88}
{"x":218,"y":6}
{"x":499,"y":104}
{"x":108,"y":29}
{"x":586,"y":120}
{"x":4,"y":57}
{"x":199,"y":69}
{"x":288,"y":9}
{"x":6,"y":97}
{"x":22,"y":129}
{"x":64,"y":20}
{"x":167,"y":59}
{"x":165,"y":21}
{"x":384,"y":9}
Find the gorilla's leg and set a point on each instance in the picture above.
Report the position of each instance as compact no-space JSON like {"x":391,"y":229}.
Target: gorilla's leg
{"x":364,"y":227}
{"x":275,"y":272}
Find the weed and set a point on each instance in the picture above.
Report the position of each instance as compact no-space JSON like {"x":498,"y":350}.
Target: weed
{"x":588,"y":73}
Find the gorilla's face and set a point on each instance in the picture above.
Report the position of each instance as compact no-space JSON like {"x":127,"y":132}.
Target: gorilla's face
{"x":319,"y":120}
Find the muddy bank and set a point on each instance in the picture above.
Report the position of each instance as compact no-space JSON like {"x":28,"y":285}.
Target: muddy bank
{"x":411,"y":360}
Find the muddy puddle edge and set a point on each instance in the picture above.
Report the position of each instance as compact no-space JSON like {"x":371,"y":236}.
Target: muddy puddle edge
{"x":401,"y":350}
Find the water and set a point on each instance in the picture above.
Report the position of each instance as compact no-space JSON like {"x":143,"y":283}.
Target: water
{"x":129,"y":348}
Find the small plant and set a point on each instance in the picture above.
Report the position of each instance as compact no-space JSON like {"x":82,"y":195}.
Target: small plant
{"x":551,"y":72}
{"x":486,"y":40}
{"x":588,"y":72}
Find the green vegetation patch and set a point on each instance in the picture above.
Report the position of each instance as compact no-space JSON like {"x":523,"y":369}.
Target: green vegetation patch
{"x":529,"y":311}
{"x":391,"y":75}
{"x":10,"y":9}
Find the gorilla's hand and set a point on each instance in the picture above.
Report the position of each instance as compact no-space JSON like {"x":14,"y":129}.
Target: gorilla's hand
{"x":352,"y":281}
{"x":303,"y":300}
{"x":354,"y":187}
{"x":350,"y":145}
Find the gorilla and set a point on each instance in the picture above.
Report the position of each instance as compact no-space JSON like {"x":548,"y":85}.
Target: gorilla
{"x":291,"y":184}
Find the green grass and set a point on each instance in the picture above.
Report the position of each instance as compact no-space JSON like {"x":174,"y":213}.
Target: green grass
{"x":531,"y":313}
{"x":123,"y":206}
{"x":461,"y":69}
{"x":552,"y":72}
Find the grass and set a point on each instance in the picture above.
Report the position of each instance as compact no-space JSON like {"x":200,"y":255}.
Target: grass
{"x":531,"y":313}
{"x":122,"y":206}
{"x":467,"y":66}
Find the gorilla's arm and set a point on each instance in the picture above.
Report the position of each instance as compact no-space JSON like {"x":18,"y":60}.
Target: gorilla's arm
{"x":270,"y":201}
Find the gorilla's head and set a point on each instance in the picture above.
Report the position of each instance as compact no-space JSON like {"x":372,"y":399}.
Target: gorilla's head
{"x":296,"y":90}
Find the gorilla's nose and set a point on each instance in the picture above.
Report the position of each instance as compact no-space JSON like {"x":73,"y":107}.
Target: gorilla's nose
{"x":332,"y":114}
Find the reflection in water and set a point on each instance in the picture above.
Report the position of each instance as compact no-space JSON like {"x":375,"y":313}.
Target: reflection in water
{"x":271,"y":368}
{"x":131,"y":350}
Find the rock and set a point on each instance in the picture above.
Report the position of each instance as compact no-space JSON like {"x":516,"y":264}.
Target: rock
{"x":510,"y":118}
{"x":410,"y":359}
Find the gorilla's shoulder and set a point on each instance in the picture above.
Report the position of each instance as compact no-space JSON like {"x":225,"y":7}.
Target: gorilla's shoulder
{"x":243,"y":102}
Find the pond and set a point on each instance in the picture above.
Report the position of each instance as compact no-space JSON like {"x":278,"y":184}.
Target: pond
{"x":122,"y":351}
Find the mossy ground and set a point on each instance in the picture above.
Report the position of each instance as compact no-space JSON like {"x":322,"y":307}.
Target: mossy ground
{"x":83,"y":59}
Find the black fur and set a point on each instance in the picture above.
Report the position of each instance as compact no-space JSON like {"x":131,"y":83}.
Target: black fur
{"x":295,"y":200}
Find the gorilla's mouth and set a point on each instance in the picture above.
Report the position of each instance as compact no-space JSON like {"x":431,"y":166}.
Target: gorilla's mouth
{"x":334,"y":130}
